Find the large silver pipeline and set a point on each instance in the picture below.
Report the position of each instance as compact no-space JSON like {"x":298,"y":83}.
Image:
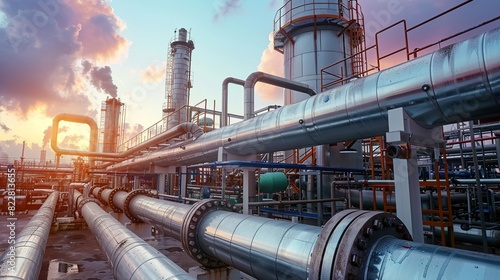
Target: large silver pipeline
{"x":166,"y":216}
{"x":273,"y":249}
{"x":130,"y":256}
{"x":23,"y":258}
{"x":392,"y":258}
{"x":456,"y":83}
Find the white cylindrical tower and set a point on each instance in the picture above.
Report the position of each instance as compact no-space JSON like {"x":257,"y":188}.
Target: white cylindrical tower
{"x":111,"y":125}
{"x":312,"y":35}
{"x":178,"y":80}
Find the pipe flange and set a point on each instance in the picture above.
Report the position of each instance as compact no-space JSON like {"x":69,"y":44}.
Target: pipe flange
{"x":91,"y":190}
{"x":131,"y":195}
{"x":85,"y":200}
{"x":344,"y":244}
{"x":110,"y":200}
{"x":190,"y":227}
{"x":99,"y":195}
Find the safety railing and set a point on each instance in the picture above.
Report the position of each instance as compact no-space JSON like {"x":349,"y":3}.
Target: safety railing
{"x":329,"y":78}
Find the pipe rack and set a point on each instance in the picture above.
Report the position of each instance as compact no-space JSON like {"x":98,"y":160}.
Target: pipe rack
{"x":352,"y":245}
{"x":130,"y":256}
{"x":29,"y":245}
{"x":434,"y":90}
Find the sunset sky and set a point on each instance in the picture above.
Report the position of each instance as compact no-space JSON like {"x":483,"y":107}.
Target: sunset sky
{"x":67,"y":56}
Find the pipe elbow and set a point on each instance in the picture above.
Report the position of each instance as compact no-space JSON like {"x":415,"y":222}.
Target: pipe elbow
{"x":192,"y":128}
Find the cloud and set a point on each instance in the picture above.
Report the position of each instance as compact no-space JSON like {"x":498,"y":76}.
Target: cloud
{"x":100,"y":77}
{"x":4,"y":157}
{"x":15,"y":150}
{"x":4,"y":127}
{"x":73,"y":142}
{"x":42,"y":44}
{"x":47,"y":135}
{"x":153,"y":73}
{"x":225,"y":7}
{"x":132,"y":130}
{"x":271,"y":62}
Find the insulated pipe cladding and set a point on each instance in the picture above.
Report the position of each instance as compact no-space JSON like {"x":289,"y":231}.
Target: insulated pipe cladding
{"x":456,"y":83}
{"x":352,"y":245}
{"x":23,"y":258}
{"x":130,"y":256}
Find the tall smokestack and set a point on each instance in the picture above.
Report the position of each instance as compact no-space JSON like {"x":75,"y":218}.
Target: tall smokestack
{"x":111,"y":125}
{"x":43,"y":157}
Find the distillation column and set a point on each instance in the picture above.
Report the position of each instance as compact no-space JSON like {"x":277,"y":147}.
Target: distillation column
{"x":178,"y":79}
{"x":311,"y":36}
{"x":352,"y":245}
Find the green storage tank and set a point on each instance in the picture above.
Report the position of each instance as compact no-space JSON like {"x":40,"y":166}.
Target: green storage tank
{"x":273,"y":182}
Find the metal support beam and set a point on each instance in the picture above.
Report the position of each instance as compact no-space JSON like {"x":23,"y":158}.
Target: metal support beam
{"x":403,"y":130}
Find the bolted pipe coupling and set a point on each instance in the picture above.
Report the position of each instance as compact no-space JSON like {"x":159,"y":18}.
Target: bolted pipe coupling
{"x":131,"y":195}
{"x":99,"y":194}
{"x":190,"y":228}
{"x":82,"y":201}
{"x":343,"y":246}
{"x":110,"y":202}
{"x":398,"y":151}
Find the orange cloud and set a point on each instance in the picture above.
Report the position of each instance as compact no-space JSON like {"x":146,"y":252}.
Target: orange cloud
{"x":153,"y":73}
{"x":271,"y":62}
{"x":45,"y":42}
{"x":100,"y":29}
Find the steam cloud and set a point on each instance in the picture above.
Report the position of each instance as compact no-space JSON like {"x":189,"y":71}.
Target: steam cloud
{"x":42,"y":43}
{"x":225,"y":7}
{"x":100,"y":77}
{"x":4,"y":127}
{"x":47,"y":134}
{"x":153,"y":73}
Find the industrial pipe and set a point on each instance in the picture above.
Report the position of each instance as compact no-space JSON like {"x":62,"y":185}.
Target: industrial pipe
{"x":224,"y":110}
{"x":176,"y":131}
{"x":434,"y":90}
{"x":130,"y":256}
{"x":258,"y":76}
{"x":75,"y":119}
{"x":23,"y":258}
{"x":392,"y":258}
{"x":347,"y":247}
